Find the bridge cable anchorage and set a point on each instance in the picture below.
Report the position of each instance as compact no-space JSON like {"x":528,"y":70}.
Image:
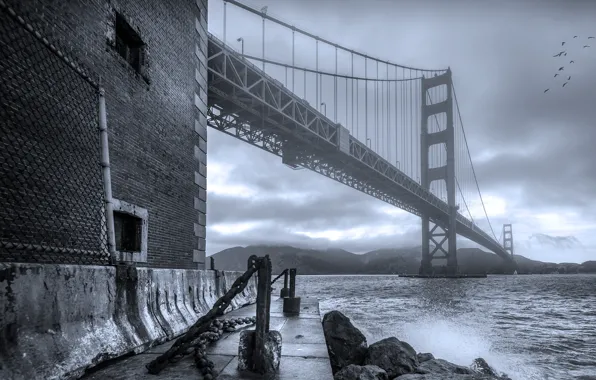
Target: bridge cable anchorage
{"x":471,"y":163}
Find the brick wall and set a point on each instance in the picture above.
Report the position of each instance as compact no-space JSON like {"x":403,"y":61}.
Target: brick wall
{"x":157,"y":128}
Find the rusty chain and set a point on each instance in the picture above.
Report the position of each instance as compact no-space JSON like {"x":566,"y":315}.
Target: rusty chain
{"x":184,"y":344}
{"x":217,"y":329}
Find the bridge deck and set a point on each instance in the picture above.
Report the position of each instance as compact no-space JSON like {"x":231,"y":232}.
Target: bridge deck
{"x":304,"y":351}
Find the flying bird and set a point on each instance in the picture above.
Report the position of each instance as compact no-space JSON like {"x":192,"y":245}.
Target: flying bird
{"x":591,"y":38}
{"x":560,"y":54}
{"x":572,"y":61}
{"x":565,"y":84}
{"x":574,"y":36}
{"x":569,"y":77}
{"x":562,"y":43}
{"x":546,"y":90}
{"x":565,"y":54}
{"x":561,"y":68}
{"x":585,"y":46}
{"x":556,"y":75}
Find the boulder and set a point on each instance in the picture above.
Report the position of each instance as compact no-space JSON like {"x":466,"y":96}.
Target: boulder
{"x":445,"y":376}
{"x":394,"y":356}
{"x":422,"y":357}
{"x":443,"y":366}
{"x":345,"y":343}
{"x":481,"y":366}
{"x":356,"y":372}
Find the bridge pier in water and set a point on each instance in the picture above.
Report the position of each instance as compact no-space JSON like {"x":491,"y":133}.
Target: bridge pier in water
{"x":441,"y":232}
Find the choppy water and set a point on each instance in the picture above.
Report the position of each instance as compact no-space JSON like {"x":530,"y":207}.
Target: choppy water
{"x":530,"y":327}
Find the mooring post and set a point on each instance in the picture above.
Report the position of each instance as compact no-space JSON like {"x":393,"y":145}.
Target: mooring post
{"x":285,"y":292}
{"x":263,"y":303}
{"x":293,"y":282}
{"x":292,"y":303}
{"x":260,"y":350}
{"x":212,"y":262}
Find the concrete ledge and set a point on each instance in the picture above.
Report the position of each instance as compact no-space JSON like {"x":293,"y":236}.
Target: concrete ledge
{"x":58,"y":320}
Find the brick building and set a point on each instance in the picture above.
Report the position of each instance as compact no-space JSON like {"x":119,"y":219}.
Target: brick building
{"x":150,"y":57}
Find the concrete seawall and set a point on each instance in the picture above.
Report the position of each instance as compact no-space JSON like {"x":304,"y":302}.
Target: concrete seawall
{"x":58,"y":320}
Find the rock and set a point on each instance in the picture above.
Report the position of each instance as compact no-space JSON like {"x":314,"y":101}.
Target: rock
{"x":481,"y":366}
{"x":423,"y":357}
{"x":356,"y":372}
{"x":392,"y":355}
{"x":445,"y":376}
{"x":345,"y":343}
{"x":437,"y":366}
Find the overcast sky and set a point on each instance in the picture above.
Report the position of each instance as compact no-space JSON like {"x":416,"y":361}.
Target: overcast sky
{"x":533,"y":152}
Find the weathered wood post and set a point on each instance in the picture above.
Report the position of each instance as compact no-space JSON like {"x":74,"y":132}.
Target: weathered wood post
{"x":260,"y":350}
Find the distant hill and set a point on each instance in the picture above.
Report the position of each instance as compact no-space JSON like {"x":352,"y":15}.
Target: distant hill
{"x":382,"y":261}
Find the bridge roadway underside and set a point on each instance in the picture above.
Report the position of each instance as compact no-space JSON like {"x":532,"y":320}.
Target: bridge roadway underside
{"x":246,"y":103}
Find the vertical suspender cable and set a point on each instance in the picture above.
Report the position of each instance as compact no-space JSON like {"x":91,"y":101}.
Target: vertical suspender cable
{"x":293,"y":57}
{"x":396,"y":112}
{"x":318,"y":105}
{"x":366,"y":101}
{"x":352,"y":85}
{"x":335,"y":90}
{"x":388,"y":91}
{"x":377,"y":110}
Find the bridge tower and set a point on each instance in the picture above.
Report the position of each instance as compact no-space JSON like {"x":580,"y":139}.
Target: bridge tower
{"x":442,"y":234}
{"x":508,"y":238}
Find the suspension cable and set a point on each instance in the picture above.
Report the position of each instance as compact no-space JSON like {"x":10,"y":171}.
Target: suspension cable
{"x":471,"y":163}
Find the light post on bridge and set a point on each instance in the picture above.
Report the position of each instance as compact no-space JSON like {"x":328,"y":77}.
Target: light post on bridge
{"x":264,"y":11}
{"x":241,"y":40}
{"x":368,"y":142}
{"x":397,"y":163}
{"x":324,"y":105}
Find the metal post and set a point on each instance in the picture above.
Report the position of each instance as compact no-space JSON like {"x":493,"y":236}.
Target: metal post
{"x":264,"y":11}
{"x":224,"y":21}
{"x":292,"y":282}
{"x":212,"y":260}
{"x":107,"y":177}
{"x":286,"y":278}
{"x":262,"y":313}
{"x":241,"y":40}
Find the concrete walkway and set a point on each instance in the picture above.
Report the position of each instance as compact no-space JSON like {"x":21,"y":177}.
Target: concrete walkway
{"x":304,"y":352}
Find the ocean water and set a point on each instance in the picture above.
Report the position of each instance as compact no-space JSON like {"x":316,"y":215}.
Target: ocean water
{"x":530,"y":327}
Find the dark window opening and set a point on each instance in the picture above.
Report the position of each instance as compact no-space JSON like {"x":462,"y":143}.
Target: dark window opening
{"x":128,"y":231}
{"x":128,"y":43}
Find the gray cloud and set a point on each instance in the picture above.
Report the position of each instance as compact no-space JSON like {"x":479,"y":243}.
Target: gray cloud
{"x":539,"y":146}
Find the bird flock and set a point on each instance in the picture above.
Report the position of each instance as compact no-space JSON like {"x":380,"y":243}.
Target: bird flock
{"x":561,"y":72}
